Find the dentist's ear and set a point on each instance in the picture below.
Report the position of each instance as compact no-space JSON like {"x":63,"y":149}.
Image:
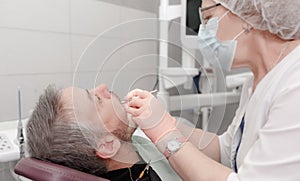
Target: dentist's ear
{"x":108,"y":147}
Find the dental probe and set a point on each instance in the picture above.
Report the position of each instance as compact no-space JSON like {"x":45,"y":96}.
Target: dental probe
{"x":152,"y":92}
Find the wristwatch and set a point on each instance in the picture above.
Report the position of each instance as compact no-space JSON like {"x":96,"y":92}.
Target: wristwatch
{"x":173,"y":146}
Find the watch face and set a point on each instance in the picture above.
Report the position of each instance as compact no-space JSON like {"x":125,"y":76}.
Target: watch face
{"x":173,"y":145}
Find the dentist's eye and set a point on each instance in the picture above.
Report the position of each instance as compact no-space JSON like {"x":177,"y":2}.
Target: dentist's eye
{"x":206,"y":18}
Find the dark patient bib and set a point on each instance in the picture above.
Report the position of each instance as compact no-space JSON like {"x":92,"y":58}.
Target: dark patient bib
{"x":125,"y":175}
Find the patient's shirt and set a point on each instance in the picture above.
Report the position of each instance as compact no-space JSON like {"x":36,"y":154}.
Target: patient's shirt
{"x":132,"y":173}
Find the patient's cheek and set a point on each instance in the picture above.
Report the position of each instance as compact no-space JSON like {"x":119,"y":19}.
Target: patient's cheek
{"x":131,"y":123}
{"x":118,"y":110}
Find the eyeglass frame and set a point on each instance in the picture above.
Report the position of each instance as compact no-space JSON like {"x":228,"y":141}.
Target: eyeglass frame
{"x":205,"y":9}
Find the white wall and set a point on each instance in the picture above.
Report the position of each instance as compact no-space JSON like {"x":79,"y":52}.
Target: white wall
{"x":41,"y":42}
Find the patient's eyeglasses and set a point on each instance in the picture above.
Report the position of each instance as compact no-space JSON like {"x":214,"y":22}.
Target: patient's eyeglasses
{"x":201,"y":9}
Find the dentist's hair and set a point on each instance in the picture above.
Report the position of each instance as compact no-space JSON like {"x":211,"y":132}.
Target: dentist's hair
{"x":281,"y":18}
{"x":54,"y":135}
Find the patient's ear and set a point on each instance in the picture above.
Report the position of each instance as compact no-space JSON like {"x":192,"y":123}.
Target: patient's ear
{"x":108,"y":147}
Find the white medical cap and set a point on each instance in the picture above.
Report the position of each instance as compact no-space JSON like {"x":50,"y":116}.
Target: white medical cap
{"x":280,"y":17}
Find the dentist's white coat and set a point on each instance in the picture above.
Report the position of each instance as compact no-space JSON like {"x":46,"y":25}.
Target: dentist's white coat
{"x":270,"y":147}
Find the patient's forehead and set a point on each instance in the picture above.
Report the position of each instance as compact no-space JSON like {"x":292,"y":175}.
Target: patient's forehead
{"x":84,"y":110}
{"x":75,"y":98}
{"x":71,"y":93}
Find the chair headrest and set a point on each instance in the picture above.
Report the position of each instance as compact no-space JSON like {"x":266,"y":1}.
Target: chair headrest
{"x":46,"y":171}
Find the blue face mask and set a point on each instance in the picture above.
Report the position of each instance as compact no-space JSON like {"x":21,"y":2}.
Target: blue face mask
{"x":216,"y":52}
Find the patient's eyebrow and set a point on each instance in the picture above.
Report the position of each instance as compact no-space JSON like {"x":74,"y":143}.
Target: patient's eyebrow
{"x":89,"y":94}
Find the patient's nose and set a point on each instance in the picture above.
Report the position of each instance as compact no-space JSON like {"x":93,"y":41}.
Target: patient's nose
{"x":102,"y":91}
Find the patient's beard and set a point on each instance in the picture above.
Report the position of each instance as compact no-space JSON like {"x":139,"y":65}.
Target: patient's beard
{"x":124,"y":135}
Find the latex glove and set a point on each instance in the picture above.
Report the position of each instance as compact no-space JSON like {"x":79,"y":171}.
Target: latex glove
{"x":149,"y":114}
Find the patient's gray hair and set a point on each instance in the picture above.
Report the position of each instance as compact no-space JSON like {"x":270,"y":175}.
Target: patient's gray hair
{"x":53,"y":135}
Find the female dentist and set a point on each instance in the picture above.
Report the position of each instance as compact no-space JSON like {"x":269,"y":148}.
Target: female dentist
{"x":262,"y":143}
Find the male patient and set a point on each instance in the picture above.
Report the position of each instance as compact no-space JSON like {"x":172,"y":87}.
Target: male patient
{"x":87,"y":130}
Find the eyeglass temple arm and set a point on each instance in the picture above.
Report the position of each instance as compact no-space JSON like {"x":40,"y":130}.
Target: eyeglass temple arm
{"x":209,"y":7}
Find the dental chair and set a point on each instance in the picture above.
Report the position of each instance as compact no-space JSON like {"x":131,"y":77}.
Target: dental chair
{"x":39,"y":170}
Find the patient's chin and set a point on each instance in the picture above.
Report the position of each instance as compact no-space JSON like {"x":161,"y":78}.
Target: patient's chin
{"x":124,"y":135}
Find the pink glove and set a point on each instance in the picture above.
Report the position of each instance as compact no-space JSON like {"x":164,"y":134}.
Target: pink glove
{"x":149,"y":114}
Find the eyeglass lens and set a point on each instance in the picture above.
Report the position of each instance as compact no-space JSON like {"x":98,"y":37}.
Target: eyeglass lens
{"x":201,"y":9}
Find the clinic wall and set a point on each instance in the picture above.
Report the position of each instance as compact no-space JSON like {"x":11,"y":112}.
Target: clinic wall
{"x":41,"y":42}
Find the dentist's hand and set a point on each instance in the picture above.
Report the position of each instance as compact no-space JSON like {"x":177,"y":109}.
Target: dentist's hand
{"x":149,"y":114}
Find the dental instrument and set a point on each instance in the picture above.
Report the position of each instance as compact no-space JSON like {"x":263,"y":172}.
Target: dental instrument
{"x":143,"y":172}
{"x":20,"y":135}
{"x":126,"y":101}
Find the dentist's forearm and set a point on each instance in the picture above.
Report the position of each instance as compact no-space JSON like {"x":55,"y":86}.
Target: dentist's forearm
{"x":207,"y":142}
{"x":193,"y":165}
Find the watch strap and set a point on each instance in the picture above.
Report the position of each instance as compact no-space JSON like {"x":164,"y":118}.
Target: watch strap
{"x":180,"y":141}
